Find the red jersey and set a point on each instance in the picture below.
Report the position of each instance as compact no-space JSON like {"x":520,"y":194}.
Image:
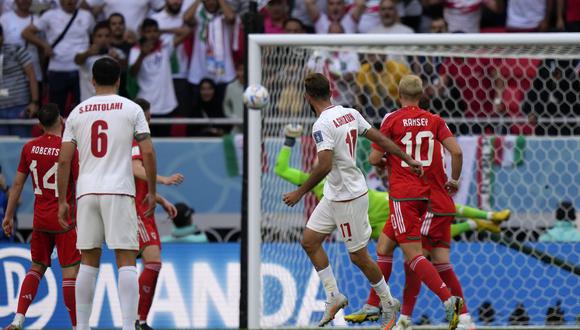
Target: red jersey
{"x":415,"y":131}
{"x":440,"y":202}
{"x":39,"y":157}
{"x":141,"y":188}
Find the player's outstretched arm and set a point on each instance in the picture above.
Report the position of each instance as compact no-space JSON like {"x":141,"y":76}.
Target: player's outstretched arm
{"x":139,"y":173}
{"x":67,"y":152}
{"x":318,"y":173}
{"x":454,"y":149}
{"x":13,"y":198}
{"x":390,"y":147}
{"x":283,"y":169}
{"x":150,"y":165}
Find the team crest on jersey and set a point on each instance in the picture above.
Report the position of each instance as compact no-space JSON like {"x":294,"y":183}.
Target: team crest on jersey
{"x":318,"y":136}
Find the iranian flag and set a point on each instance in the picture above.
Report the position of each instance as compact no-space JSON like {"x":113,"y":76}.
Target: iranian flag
{"x":493,"y":151}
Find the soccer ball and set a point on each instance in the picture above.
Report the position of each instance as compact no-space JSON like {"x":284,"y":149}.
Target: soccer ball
{"x":256,"y":97}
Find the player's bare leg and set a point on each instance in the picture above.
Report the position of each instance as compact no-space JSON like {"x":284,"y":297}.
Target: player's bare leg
{"x":371,"y":310}
{"x":370,"y":269}
{"x":441,"y":260}
{"x":69,"y":277}
{"x":413,"y":253}
{"x":27,"y":293}
{"x":151,"y":256}
{"x":85,"y":286}
{"x":128,"y":286}
{"x":335,"y":301}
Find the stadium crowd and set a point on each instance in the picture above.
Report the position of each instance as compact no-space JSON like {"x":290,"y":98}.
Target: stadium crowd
{"x":186,"y":57}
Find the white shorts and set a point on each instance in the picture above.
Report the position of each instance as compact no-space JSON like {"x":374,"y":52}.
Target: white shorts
{"x":107,"y":218}
{"x":351,"y":218}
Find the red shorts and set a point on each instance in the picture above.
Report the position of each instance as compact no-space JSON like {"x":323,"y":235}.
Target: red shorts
{"x":436,"y":231}
{"x":406,"y":219}
{"x":42,"y":244}
{"x":389,"y":230}
{"x":148,"y":234}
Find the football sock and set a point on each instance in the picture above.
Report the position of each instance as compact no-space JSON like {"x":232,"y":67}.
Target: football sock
{"x":84,"y":293}
{"x":472,"y":212}
{"x":147,"y":285}
{"x":28,"y":291}
{"x":128,"y":295}
{"x":383,"y":291}
{"x":448,"y":276}
{"x":68,"y":293}
{"x":410,"y":291}
{"x":329,"y":282}
{"x":428,"y":275}
{"x":385,"y":263}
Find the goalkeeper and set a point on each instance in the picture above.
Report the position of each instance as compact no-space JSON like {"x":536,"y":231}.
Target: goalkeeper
{"x":379,"y":200}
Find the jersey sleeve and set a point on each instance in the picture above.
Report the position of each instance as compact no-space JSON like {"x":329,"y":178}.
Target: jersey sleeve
{"x":141,"y":125}
{"x":323,"y":138}
{"x":443,"y":131}
{"x":68,"y":134}
{"x":23,"y":164}
{"x":384,"y":130}
{"x":362,"y":124}
{"x":43,"y":21}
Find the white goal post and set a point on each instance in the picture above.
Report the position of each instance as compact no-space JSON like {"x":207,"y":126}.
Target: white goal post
{"x":529,"y":45}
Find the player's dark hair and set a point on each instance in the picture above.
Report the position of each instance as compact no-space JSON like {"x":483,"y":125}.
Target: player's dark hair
{"x":106,"y":71}
{"x":183,"y":217}
{"x":317,"y":86}
{"x":101,"y":25}
{"x":116,"y":15}
{"x":566,"y":211}
{"x":149,"y":22}
{"x":48,"y":115}
{"x":143,"y":103}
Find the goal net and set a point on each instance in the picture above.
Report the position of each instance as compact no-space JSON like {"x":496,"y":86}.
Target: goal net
{"x":512,"y":101}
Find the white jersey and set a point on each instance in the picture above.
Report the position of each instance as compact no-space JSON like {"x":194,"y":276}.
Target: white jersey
{"x":103,"y":128}
{"x":337,"y":129}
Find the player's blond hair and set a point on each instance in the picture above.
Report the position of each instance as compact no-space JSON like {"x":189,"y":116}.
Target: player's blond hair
{"x":411,"y":87}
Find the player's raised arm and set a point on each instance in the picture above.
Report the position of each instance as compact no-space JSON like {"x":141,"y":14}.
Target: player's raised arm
{"x":390,"y":147}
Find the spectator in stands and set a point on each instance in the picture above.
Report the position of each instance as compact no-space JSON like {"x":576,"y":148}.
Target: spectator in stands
{"x":408,"y":11}
{"x":390,"y":19}
{"x":185,"y":231}
{"x":438,"y":25}
{"x":529,"y":15}
{"x":134,"y":10}
{"x":337,"y":13}
{"x":340,"y":67}
{"x":299,"y":12}
{"x":465,"y":15}
{"x":119,"y":41}
{"x":275,"y":14}
{"x":67,"y":30}
{"x":379,"y":78}
{"x":232,"y":106}
{"x":213,"y":42}
{"x":294,"y":26}
{"x":209,"y":106}
{"x":150,"y":64}
{"x":171,"y":25}
{"x":18,"y":87}
{"x":14,"y":22}
{"x":100,"y":47}
{"x":568,"y":15}
{"x":564,"y":229}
